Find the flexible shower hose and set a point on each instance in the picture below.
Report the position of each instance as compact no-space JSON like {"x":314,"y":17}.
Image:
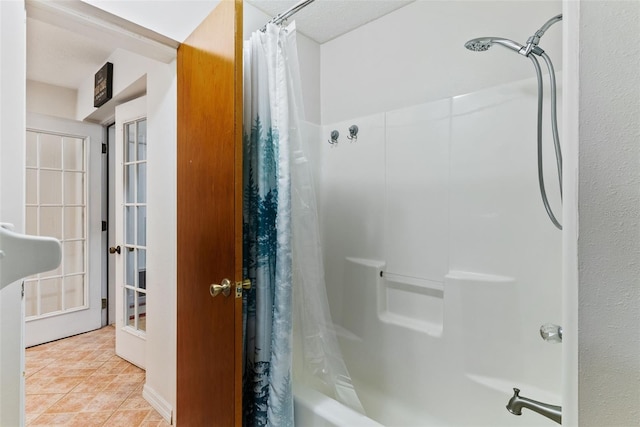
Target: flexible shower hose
{"x":556,"y":139}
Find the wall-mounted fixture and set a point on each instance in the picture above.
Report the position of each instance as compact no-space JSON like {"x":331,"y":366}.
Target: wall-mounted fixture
{"x":22,"y":255}
{"x":334,"y":137}
{"x":551,"y":333}
{"x":353,"y":133}
{"x":517,"y":402}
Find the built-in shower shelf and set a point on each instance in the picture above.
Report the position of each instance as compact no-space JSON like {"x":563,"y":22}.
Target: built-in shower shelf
{"x":470,"y":276}
{"x":411,"y":302}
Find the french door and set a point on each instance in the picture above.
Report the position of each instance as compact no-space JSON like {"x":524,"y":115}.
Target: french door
{"x":131,"y":231}
{"x":63,"y":200}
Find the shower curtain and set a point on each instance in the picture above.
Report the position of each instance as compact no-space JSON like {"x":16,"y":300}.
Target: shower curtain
{"x":282,"y":252}
{"x":267,"y":262}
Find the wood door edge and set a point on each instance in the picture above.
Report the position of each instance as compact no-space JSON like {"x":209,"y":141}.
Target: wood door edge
{"x":239,"y":99}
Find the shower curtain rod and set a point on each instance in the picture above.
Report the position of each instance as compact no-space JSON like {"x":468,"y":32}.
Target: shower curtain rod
{"x":281,"y":17}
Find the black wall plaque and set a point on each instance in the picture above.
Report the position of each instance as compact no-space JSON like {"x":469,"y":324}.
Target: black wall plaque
{"x":103,"y":85}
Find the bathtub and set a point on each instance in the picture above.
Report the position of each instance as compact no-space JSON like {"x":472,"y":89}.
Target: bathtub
{"x":314,"y":409}
{"x":419,"y":373}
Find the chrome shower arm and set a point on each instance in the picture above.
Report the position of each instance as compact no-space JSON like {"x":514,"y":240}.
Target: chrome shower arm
{"x":548,"y":24}
{"x":532,"y":42}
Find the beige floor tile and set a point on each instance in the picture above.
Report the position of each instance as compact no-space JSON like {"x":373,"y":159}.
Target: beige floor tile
{"x":88,"y":419}
{"x":139,"y":389}
{"x":36,"y":384}
{"x":33,"y":366}
{"x":128,"y":418}
{"x":72,"y":402}
{"x":133,"y":369}
{"x":106,"y":401}
{"x":112,"y":367}
{"x":79,"y":381}
{"x":50,"y":371}
{"x":35,"y":350}
{"x":135,"y":402}
{"x":117,"y":386}
{"x":29,"y":417}
{"x":61,"y":384}
{"x":48,"y":419}
{"x":38,"y":403}
{"x":101,"y":355}
{"x":154,"y":416}
{"x":130,"y":378}
{"x":160,"y":423}
{"x":79,"y":372}
{"x":93,"y":384}
{"x":88,"y":364}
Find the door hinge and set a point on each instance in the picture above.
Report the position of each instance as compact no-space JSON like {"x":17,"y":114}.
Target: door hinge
{"x":104,"y":225}
{"x":104,"y":303}
{"x":104,"y":148}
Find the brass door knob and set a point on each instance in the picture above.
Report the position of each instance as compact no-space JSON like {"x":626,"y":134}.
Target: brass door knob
{"x":224,"y":287}
{"x":115,"y":250}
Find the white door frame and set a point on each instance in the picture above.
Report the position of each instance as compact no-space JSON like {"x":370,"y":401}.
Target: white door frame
{"x":84,"y":19}
{"x":12,"y":197}
{"x":111,"y":223}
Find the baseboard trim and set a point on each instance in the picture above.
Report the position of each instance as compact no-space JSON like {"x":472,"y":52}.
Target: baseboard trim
{"x":158,"y":403}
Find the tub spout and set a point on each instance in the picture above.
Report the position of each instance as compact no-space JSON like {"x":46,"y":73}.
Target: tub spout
{"x":517,"y":402}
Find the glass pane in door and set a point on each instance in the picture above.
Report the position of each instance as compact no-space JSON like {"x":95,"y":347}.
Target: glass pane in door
{"x":142,"y":311}
{"x":56,"y":206}
{"x":130,"y":311}
{"x":135,"y":223}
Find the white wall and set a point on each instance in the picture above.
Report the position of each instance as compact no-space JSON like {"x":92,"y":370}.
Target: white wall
{"x":51,"y":100}
{"x":162,"y":234}
{"x":416,"y":54}
{"x":128,"y":67}
{"x":160,"y":387}
{"x":174,"y":19}
{"x":12,"y":190}
{"x":609,"y":199}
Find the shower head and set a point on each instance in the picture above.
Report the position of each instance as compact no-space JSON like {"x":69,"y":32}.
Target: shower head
{"x":484,"y":43}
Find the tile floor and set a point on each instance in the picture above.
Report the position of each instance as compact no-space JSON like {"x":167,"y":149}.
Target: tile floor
{"x":79,"y":381}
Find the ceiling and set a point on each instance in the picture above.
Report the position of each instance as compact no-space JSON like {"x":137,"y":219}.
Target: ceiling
{"x":61,"y":57}
{"x":64,"y":57}
{"x":324,"y":20}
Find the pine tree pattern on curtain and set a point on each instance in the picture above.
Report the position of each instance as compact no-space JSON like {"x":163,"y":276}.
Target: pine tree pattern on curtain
{"x":267,"y":394}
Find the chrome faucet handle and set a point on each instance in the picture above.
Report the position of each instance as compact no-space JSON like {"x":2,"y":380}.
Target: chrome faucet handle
{"x":551,"y":333}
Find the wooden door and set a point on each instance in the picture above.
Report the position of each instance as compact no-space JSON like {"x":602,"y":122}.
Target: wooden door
{"x":209,"y":383}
